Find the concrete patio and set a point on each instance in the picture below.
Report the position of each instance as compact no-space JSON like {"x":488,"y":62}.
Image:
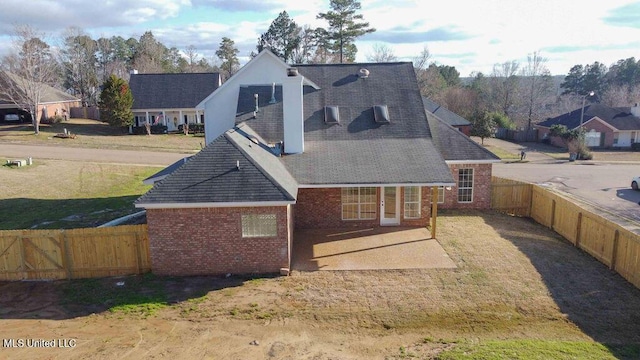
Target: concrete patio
{"x":381,"y":248}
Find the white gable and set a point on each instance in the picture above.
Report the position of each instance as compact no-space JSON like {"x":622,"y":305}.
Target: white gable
{"x":220,"y":107}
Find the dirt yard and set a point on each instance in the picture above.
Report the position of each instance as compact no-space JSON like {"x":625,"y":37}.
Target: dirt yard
{"x":514,"y":280}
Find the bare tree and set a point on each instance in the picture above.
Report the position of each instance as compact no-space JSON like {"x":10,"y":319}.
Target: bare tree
{"x":26,"y":72}
{"x":381,"y":53}
{"x":192,"y":57}
{"x":503,"y":85}
{"x":537,"y":88}
{"x":620,"y":95}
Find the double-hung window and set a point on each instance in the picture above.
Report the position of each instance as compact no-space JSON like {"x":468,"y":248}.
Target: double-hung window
{"x":359,"y":203}
{"x":465,"y":185}
{"x":412,"y":206}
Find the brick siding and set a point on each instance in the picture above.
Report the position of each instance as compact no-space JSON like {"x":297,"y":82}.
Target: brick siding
{"x":481,"y":188}
{"x":321,"y":208}
{"x":208,"y":241}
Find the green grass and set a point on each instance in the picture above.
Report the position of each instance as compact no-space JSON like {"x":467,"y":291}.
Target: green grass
{"x":140,"y":295}
{"x":64,"y":194}
{"x":502,"y":154}
{"x":538,"y":350}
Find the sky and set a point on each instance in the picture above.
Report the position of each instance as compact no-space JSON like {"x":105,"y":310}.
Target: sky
{"x":470,"y":35}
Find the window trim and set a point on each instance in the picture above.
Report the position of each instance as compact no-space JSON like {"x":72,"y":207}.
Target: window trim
{"x":258,"y":230}
{"x":359,"y":203}
{"x":418,"y":202}
{"x":466,"y":187}
{"x":441,"y":192}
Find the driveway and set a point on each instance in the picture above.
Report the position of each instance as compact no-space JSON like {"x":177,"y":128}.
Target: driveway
{"x":367,"y":249}
{"x":153,"y":158}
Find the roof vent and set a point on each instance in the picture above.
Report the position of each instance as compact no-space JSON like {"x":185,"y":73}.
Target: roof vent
{"x":381,"y":114}
{"x":363,"y":73}
{"x":292,"y":71}
{"x":331,"y":115}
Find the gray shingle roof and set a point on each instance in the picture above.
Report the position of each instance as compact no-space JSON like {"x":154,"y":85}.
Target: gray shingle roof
{"x":411,"y":149}
{"x":49,"y":95}
{"x":454,"y":145}
{"x":211,"y":176}
{"x":171,"y":91}
{"x":444,"y":114}
{"x":618,"y":117}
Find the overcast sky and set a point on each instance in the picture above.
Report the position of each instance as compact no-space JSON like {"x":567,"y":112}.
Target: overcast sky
{"x":471,"y":35}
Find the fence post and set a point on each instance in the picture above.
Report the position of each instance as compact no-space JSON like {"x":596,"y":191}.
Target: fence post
{"x":66,"y":257}
{"x":137,"y":246}
{"x":23,"y":258}
{"x":578,"y":227}
{"x":614,"y":257}
{"x":553,"y":213}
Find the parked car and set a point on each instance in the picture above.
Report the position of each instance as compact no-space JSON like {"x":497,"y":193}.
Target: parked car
{"x":11,"y":117}
{"x":635,"y":182}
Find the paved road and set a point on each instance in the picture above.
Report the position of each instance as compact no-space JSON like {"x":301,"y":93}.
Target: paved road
{"x":606,"y":186}
{"x":20,"y":151}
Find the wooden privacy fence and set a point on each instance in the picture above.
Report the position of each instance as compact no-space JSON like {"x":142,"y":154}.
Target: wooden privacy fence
{"x":610,"y":243}
{"x":73,"y":254}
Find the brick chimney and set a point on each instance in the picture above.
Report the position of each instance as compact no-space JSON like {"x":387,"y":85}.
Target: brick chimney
{"x":293,"y":112}
{"x":635,"y":110}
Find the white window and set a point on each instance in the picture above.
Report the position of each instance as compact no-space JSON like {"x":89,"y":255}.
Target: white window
{"x":412,"y":206}
{"x":359,"y":203}
{"x":440,"y":194}
{"x":465,"y":185}
{"x":259,"y":225}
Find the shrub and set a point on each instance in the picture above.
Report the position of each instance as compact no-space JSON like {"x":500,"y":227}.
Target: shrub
{"x":193,"y":128}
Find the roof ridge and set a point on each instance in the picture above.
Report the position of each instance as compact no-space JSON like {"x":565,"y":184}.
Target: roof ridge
{"x":254,"y":162}
{"x":465,"y":137}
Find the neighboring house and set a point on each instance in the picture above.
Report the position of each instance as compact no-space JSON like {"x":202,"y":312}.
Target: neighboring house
{"x":447,"y":116}
{"x":605,"y":127}
{"x":170,"y":99}
{"x":53,"y":102}
{"x":315,"y":146}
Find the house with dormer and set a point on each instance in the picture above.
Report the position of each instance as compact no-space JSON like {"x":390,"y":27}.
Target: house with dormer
{"x":346,"y":146}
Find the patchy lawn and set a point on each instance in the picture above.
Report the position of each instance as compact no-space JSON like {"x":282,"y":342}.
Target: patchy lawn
{"x":518,"y":292}
{"x":53,"y":194}
{"x":96,"y":134}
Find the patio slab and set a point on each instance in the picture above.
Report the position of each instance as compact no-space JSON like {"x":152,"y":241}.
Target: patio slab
{"x":384,"y":248}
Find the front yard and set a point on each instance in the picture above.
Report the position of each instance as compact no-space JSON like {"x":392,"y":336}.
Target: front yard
{"x":519,"y":292}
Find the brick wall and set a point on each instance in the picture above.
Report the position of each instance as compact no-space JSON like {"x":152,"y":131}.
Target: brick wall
{"x":321,"y":208}
{"x":208,"y":241}
{"x":481,"y":188}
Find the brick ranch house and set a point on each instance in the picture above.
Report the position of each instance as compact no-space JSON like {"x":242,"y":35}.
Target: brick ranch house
{"x":315,"y":146}
{"x":53,"y":101}
{"x":604,"y":126}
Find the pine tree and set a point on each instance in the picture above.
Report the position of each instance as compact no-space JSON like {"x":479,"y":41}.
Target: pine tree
{"x":282,"y":38}
{"x":344,"y":27}
{"x":228,"y":54}
{"x":115,"y":102}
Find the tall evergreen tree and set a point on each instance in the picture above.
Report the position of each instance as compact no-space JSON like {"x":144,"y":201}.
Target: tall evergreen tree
{"x":283,"y":37}
{"x":116,"y":101}
{"x":78,"y":58}
{"x":345,"y":26}
{"x":228,"y":55}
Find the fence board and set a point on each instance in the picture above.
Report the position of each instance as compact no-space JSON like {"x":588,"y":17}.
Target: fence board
{"x":605,"y":240}
{"x":72,"y":254}
{"x":511,"y":196}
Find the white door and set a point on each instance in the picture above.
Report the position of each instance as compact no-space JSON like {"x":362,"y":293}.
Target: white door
{"x":390,"y":205}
